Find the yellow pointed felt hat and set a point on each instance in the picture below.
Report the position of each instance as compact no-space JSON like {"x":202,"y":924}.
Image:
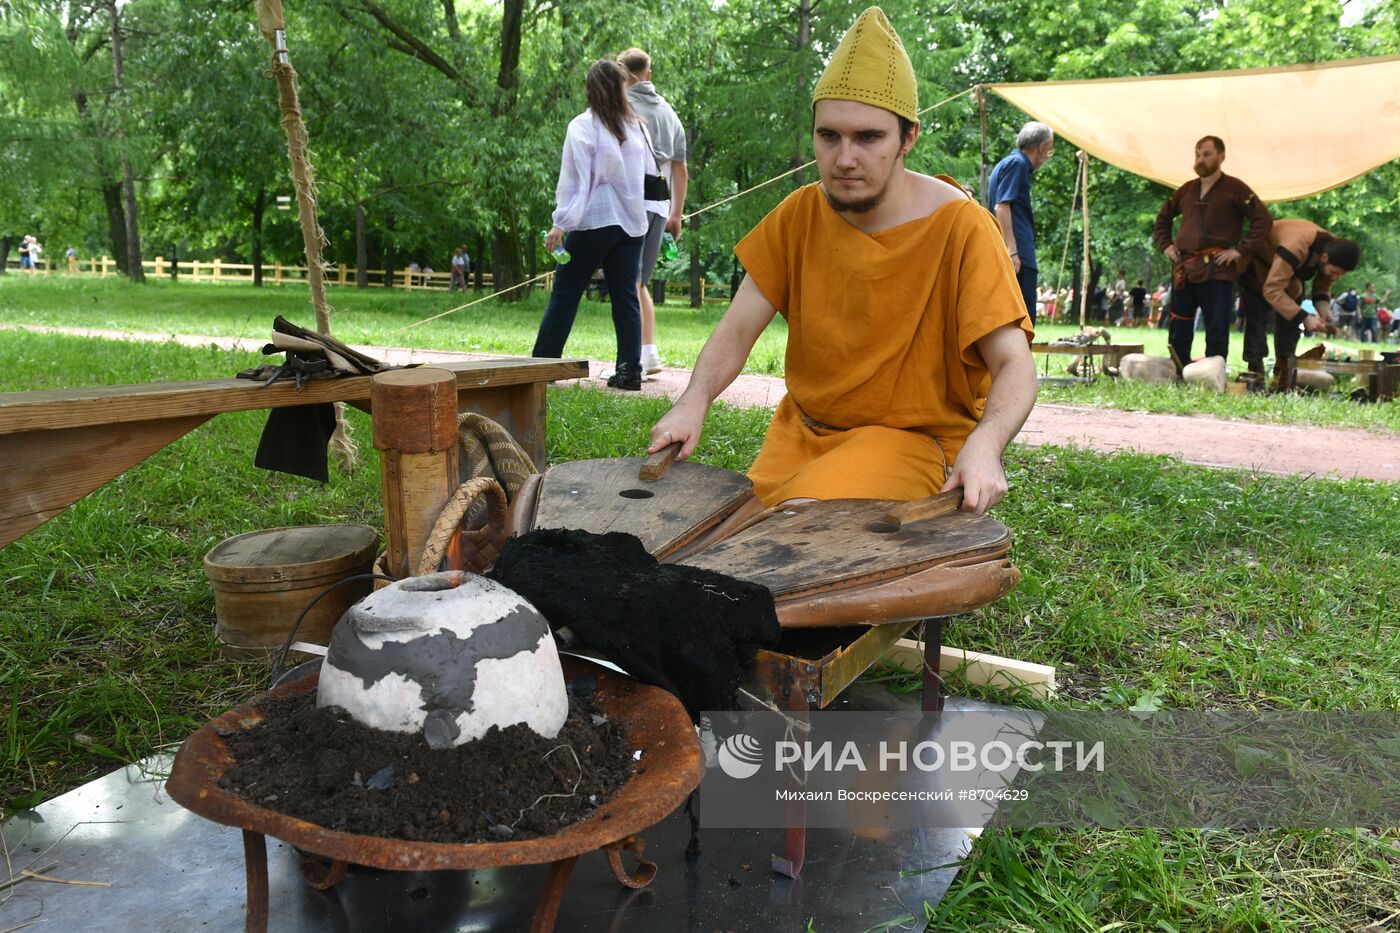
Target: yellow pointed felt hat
{"x":871,"y":66}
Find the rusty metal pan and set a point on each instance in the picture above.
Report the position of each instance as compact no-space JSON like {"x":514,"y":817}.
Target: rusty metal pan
{"x":650,"y":718}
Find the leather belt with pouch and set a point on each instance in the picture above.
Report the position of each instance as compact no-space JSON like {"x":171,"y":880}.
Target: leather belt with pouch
{"x":1195,"y":267}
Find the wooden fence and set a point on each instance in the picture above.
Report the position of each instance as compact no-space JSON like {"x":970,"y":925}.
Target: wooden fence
{"x":275,"y":273}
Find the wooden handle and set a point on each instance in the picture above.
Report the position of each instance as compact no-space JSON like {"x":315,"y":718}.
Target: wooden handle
{"x":920,"y":509}
{"x":658,"y":463}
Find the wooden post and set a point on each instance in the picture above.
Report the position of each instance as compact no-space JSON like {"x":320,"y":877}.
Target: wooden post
{"x":277,"y":273}
{"x":407,"y":281}
{"x":343,"y":271}
{"x":982,"y":110}
{"x":217,"y":263}
{"x":104,"y":266}
{"x":1083,"y":295}
{"x":415,"y":431}
{"x":194,"y":270}
{"x":160,"y":266}
{"x":72,"y":265}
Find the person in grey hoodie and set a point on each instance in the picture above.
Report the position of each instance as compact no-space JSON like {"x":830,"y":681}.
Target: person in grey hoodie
{"x":667,"y":138}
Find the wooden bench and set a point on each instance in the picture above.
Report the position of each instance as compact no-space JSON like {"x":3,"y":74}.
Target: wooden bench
{"x":59,"y":445}
{"x":1381,"y":379}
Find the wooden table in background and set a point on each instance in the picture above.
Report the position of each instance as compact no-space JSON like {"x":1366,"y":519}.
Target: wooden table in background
{"x":1110,"y":352}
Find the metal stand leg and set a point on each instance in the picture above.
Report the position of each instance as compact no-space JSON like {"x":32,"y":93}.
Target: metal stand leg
{"x":933,"y":655}
{"x":547,"y":911}
{"x":645,"y":870}
{"x":255,"y":866}
{"x":795,"y":835}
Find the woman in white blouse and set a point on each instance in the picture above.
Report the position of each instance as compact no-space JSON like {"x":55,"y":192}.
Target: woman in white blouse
{"x":601,"y":220}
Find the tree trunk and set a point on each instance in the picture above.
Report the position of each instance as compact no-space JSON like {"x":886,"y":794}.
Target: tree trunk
{"x":803,"y":35}
{"x":695,"y":301}
{"x":389,"y":256}
{"x":505,"y":262}
{"x":259,"y":205}
{"x":506,"y":252}
{"x":512,"y":15}
{"x":5,"y":244}
{"x":479,"y":262}
{"x":449,"y":13}
{"x":361,"y":252}
{"x":133,"y":232}
{"x":116,"y":223}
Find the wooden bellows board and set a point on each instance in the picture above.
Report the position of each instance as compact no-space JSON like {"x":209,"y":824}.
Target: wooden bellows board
{"x":827,"y":563}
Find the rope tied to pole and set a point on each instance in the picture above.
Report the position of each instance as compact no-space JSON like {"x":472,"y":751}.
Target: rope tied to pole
{"x":273,"y":28}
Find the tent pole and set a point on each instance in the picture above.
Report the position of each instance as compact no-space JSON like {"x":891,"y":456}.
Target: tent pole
{"x":982,"y":108}
{"x":1084,"y":277}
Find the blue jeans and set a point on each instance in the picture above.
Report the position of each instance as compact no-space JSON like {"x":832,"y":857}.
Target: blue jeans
{"x":1215,"y":299}
{"x":619,"y":255}
{"x":1026,"y":279}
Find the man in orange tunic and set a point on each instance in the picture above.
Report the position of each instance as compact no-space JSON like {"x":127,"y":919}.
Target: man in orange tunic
{"x":908,"y":364}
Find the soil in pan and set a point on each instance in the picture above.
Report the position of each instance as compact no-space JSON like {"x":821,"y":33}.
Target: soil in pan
{"x":322,"y":766}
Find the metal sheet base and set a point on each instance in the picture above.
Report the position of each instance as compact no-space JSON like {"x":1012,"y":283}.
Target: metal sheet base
{"x":173,"y":871}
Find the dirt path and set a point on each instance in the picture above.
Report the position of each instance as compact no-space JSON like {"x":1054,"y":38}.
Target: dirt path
{"x":1268,"y":448}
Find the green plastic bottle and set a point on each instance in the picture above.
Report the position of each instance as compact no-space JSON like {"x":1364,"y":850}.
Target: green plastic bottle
{"x":560,"y":254}
{"x":669,"y":249}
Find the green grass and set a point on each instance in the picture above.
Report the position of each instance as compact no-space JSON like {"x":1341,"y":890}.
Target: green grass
{"x":1204,"y":588}
{"x":377,"y":316}
{"x":374,"y":316}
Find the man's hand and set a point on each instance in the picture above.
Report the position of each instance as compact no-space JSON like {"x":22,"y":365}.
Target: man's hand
{"x":554,"y":239}
{"x":1314,"y":324}
{"x":980,"y":475}
{"x":1016,"y":263}
{"x":1172,"y":253}
{"x":1227,"y":257}
{"x":673,"y":226}
{"x":682,"y":424}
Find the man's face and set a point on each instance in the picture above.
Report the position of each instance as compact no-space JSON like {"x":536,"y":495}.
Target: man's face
{"x":1041,"y":154}
{"x":858,"y":152}
{"x":1207,"y":159}
{"x":1332,"y":272}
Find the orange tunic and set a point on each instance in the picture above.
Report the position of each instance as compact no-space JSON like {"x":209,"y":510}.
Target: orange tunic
{"x":884,"y":383}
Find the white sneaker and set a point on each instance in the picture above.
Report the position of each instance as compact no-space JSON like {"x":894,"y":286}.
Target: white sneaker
{"x":651,"y":360}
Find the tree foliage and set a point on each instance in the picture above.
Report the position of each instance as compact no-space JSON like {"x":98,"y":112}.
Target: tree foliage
{"x":434,"y":125}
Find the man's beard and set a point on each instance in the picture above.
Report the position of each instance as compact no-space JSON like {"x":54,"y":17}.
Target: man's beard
{"x":1202,"y":172}
{"x":860,"y":206}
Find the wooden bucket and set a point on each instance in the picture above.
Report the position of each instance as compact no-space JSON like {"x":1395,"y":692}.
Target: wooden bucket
{"x":263,"y":580}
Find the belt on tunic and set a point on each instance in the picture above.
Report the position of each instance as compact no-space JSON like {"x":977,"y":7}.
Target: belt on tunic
{"x":814,"y":423}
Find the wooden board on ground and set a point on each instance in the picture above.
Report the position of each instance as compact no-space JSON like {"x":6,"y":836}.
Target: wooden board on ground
{"x":607,"y":495}
{"x":845,"y":542}
{"x":979,"y":668}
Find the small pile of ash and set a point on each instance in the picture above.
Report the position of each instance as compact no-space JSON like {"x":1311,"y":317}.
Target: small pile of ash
{"x":320,"y":765}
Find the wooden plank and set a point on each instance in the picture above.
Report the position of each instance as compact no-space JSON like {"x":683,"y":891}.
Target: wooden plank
{"x":45,"y":472}
{"x":1355,"y":367}
{"x":67,"y":408}
{"x":982,"y":669}
{"x":844,"y":541}
{"x":606,"y":495}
